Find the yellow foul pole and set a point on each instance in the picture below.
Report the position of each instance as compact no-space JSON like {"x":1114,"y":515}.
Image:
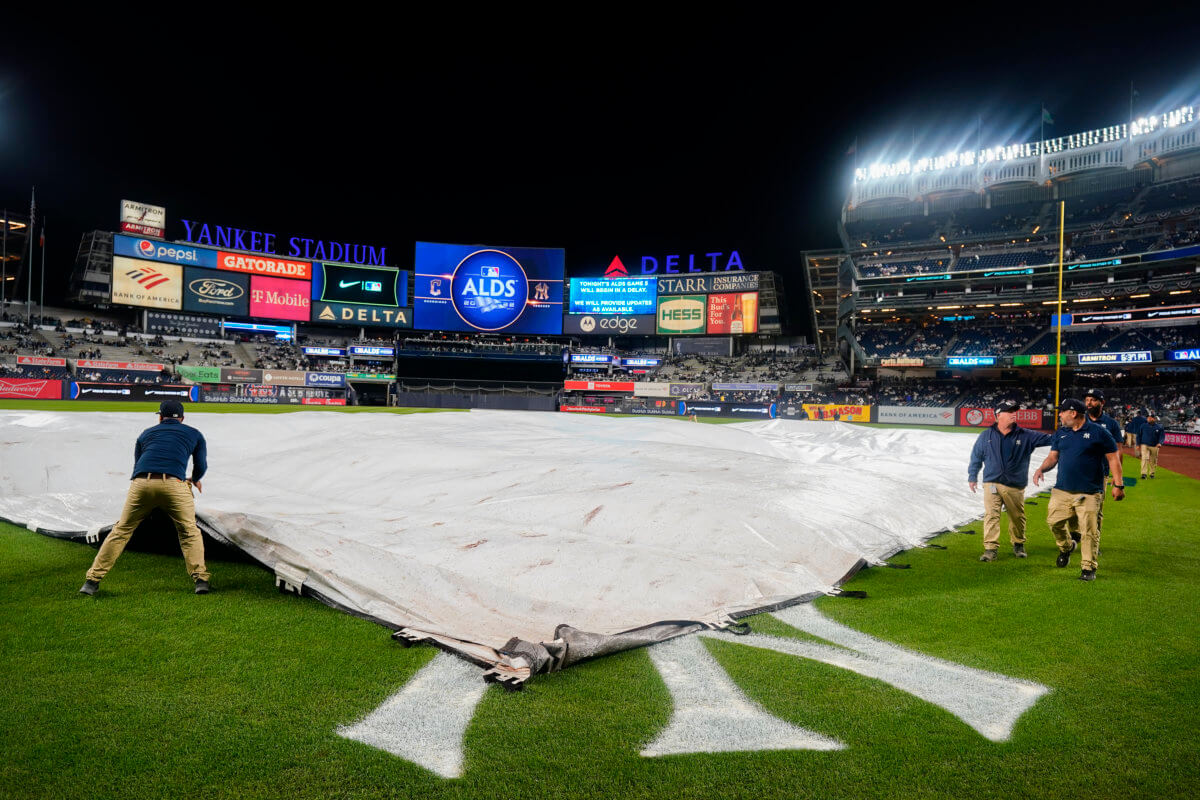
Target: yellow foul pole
{"x":1062,"y":213}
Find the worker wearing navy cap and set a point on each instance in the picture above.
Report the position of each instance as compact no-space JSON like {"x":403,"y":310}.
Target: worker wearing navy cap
{"x":1004,"y":450}
{"x":1079,"y":449}
{"x":160,"y":481}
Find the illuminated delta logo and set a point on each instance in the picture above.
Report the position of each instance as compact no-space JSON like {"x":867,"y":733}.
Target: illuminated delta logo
{"x":147,"y":277}
{"x":489,"y":290}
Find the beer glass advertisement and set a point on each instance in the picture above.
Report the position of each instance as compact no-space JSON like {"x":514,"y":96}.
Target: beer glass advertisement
{"x":733,"y":313}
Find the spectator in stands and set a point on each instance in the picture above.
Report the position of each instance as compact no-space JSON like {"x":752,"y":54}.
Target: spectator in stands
{"x":1004,"y":451}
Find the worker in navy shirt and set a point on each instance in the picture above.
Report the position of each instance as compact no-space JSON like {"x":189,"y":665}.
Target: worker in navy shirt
{"x":1094,"y":402}
{"x":1134,"y":428}
{"x":1150,"y":438}
{"x":160,"y":480}
{"x":1079,"y":449}
{"x":1004,"y":450}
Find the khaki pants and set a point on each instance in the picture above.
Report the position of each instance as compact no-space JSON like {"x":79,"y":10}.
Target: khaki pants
{"x":1149,"y":459}
{"x":146,"y":494}
{"x":1084,"y":510}
{"x":1131,"y":439}
{"x":995,"y":495}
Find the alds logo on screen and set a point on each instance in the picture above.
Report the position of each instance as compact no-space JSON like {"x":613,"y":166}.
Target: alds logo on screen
{"x":489,"y":290}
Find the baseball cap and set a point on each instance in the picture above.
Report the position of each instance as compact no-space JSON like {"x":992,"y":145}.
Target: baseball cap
{"x":1007,"y":405}
{"x":170,"y":408}
{"x":1096,"y":393}
{"x":1071,"y":404}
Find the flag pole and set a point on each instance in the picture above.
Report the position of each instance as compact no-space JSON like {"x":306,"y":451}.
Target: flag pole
{"x":1062,"y":213}
{"x":29,"y":262}
{"x":42,"y":290}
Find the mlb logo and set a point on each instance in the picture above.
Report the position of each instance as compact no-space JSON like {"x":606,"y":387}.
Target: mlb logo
{"x":489,"y":272}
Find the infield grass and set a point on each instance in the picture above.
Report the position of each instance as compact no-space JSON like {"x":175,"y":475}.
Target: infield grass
{"x":149,"y":691}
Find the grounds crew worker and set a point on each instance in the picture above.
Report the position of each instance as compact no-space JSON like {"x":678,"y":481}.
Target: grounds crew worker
{"x":1150,"y":438}
{"x":1079,"y":448}
{"x":1094,"y":401}
{"x":1004,"y":450}
{"x":159,"y":481}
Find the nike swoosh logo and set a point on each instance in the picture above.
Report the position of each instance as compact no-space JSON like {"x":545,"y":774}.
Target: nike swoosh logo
{"x":346,"y":284}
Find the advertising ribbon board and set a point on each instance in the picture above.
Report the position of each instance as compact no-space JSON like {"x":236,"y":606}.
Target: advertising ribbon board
{"x":797,"y":387}
{"x":41,"y":361}
{"x":745,"y":387}
{"x":272,"y":266}
{"x":585,"y":409}
{"x":599,"y":386}
{"x":902,"y":362}
{"x":845,"y":413}
{"x":916,"y":415}
{"x":1128,"y":357}
{"x":650,"y":389}
{"x":1186,"y":354}
{"x":30,"y":389}
{"x":199,"y":374}
{"x":983,"y":417}
{"x":132,"y":391}
{"x":323,"y":401}
{"x":1038,"y":360}
{"x":127,"y":366}
{"x":738,"y":410}
{"x":377,"y":377}
{"x":330,"y":380}
{"x":1177,"y":439}
{"x":280,"y":377}
{"x":235,"y":375}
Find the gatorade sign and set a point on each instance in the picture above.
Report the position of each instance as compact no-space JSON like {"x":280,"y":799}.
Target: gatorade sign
{"x":682,"y":314}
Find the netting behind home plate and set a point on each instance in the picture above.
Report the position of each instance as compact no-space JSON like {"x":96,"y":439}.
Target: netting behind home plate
{"x":522,"y":540}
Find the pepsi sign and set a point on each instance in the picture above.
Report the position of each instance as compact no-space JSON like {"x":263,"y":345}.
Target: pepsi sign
{"x":467,"y":288}
{"x":157,"y":250}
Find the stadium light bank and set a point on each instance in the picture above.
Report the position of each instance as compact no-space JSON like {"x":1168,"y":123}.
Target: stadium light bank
{"x":977,"y":158}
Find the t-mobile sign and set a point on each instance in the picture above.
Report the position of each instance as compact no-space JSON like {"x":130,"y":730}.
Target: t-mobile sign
{"x":279,"y":298}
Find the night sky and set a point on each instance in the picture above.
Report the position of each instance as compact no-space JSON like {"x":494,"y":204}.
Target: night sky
{"x":612,"y":135}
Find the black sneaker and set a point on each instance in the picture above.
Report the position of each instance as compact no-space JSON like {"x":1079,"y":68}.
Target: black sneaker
{"x":1143,"y":476}
{"x":1065,"y":558}
{"x":988,"y":555}
{"x":1019,"y":550}
{"x":201,"y":587}
{"x":1087,"y":575}
{"x":89,"y":587}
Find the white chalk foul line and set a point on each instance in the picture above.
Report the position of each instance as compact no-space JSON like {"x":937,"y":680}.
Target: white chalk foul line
{"x":711,"y":713}
{"x":425,"y":721}
{"x":988,"y":702}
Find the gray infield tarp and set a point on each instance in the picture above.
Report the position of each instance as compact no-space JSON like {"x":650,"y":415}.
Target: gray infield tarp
{"x":475,"y":530}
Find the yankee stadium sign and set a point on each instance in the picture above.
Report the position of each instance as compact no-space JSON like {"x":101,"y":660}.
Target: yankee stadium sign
{"x":296,"y":246}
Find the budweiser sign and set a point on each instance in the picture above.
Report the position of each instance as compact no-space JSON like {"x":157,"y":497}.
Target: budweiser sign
{"x":26,"y":389}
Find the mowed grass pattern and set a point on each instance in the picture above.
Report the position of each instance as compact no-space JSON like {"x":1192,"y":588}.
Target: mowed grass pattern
{"x":149,"y":691}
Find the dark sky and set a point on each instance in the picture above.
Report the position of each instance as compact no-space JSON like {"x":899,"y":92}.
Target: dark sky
{"x":605,"y":135}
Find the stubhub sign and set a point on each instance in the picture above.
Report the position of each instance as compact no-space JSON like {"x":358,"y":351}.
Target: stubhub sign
{"x":156,"y":250}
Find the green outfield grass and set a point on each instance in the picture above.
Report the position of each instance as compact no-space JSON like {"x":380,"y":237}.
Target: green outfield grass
{"x":149,"y":691}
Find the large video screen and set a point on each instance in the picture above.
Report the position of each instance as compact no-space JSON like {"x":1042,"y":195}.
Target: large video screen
{"x":613,"y":295}
{"x":369,"y":286}
{"x":480,"y":288}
